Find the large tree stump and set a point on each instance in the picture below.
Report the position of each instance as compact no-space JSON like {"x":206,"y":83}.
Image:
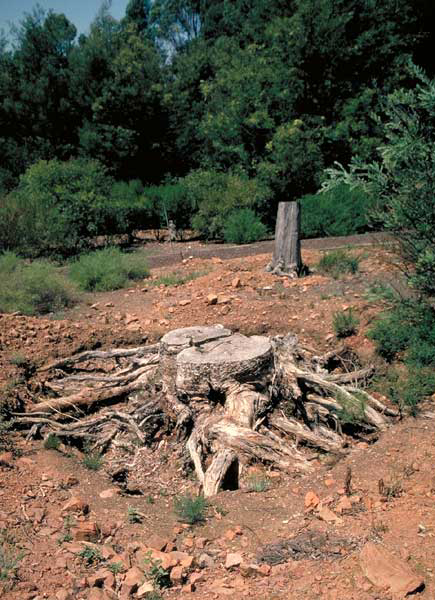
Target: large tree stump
{"x":233,"y":400}
{"x":286,"y":259}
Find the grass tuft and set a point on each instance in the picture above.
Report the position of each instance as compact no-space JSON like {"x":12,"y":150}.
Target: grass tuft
{"x":191,"y":509}
{"x":108,"y":269}
{"x":338,"y":262}
{"x":345,"y":323}
{"x":32,"y":289}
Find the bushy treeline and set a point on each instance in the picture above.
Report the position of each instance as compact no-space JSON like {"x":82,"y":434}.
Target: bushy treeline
{"x":204,"y":112}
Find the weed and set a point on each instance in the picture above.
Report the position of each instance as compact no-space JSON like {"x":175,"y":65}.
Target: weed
{"x":52,"y":442}
{"x":173,"y":279}
{"x":338,"y":262}
{"x":221,"y":511}
{"x":258,"y":483}
{"x":345,"y":323}
{"x":115,"y":567}
{"x":9,"y":558}
{"x":68,"y":522}
{"x":91,"y":555}
{"x":92,"y":460}
{"x":378,"y":529}
{"x":107,"y":269}
{"x":35,"y":288}
{"x":150,"y":500}
{"x":391,"y":489}
{"x":5,"y":429}
{"x":351,"y":412}
{"x":155,"y":572}
{"x":191,"y":509}
{"x":133,"y":515}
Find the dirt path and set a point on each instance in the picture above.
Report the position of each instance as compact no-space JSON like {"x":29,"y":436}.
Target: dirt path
{"x":162,"y":254}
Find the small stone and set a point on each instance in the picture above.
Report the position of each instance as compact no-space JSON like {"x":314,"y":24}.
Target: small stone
{"x":133,"y":579}
{"x":311,"y":500}
{"x":212,"y":299}
{"x":234,"y":559}
{"x":145,"y":589}
{"x":230,"y":535}
{"x":176,"y":575}
{"x":156,"y":542}
{"x":76,"y":504}
{"x":86,"y":531}
{"x":7,"y":460}
{"x":236,"y":283}
{"x":109,"y":493}
{"x":184,"y":302}
{"x":205,"y":561}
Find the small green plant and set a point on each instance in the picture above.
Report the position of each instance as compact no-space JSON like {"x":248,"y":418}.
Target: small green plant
{"x":338,"y":262}
{"x":92,"y":460}
{"x":115,"y":567}
{"x":108,"y":269}
{"x":191,"y":509}
{"x":258,"y":483}
{"x":390,"y":489}
{"x":155,"y":572}
{"x":133,"y":515}
{"x":150,"y":499}
{"x":52,"y":442}
{"x":9,"y":557}
{"x":345,"y":323}
{"x":68,"y":522}
{"x":91,"y":555}
{"x":351,"y":411}
{"x":35,"y":288}
{"x":173,"y":279}
{"x":5,"y":429}
{"x":244,"y":227}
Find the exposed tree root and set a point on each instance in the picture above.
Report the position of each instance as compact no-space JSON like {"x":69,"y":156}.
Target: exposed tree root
{"x":233,"y":399}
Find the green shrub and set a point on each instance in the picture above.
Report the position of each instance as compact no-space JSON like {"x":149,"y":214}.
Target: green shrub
{"x":191,"y":509}
{"x":170,"y":201}
{"x":52,"y":442}
{"x":215,"y":196}
{"x":338,"y":262}
{"x":243,"y":227}
{"x":9,"y":557}
{"x":171,"y":279}
{"x":155,"y":572}
{"x":351,"y":411}
{"x":91,"y":555}
{"x":58,"y":208}
{"x":340,"y":211}
{"x":345,"y":323}
{"x":92,"y":460}
{"x":35,"y":288}
{"x":133,"y":515}
{"x":408,"y":328}
{"x":108,"y":269}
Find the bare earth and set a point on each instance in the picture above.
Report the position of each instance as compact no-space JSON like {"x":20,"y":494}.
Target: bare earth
{"x":324,"y":559}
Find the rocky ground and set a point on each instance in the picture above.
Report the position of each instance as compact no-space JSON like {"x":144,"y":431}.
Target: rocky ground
{"x":361,"y":528}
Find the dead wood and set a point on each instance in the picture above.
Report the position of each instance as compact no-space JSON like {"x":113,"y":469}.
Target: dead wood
{"x":223,"y":393}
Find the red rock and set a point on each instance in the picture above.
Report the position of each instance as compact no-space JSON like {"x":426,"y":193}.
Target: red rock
{"x":311,"y":500}
{"x":212,"y":299}
{"x":327,"y":515}
{"x":386,"y":571}
{"x":133,"y":580}
{"x":7,"y":460}
{"x":200,"y":542}
{"x":76,"y":504}
{"x":230,"y":535}
{"x":86,"y":531}
{"x":156,"y":542}
{"x":236,"y":283}
{"x":343,"y":504}
{"x":176,"y":575}
{"x":98,"y":594}
{"x":102,"y":578}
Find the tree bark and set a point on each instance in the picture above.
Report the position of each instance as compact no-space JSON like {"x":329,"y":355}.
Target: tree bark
{"x":287,"y":258}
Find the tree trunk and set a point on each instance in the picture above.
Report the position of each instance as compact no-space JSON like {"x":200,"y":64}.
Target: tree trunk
{"x":286,"y":258}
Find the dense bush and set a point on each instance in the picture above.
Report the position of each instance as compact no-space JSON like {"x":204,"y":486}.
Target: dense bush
{"x":35,"y":288}
{"x":243,"y":227}
{"x":340,"y":211}
{"x":107,"y":269}
{"x":169,"y":202}
{"x":215,"y":196}
{"x":408,"y":328}
{"x":57,"y":208}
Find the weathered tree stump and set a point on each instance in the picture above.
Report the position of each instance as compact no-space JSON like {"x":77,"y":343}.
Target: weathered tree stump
{"x":232,"y":399}
{"x":287,"y":259}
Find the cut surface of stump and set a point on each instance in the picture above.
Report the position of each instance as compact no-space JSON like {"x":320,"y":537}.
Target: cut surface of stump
{"x":216,"y":364}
